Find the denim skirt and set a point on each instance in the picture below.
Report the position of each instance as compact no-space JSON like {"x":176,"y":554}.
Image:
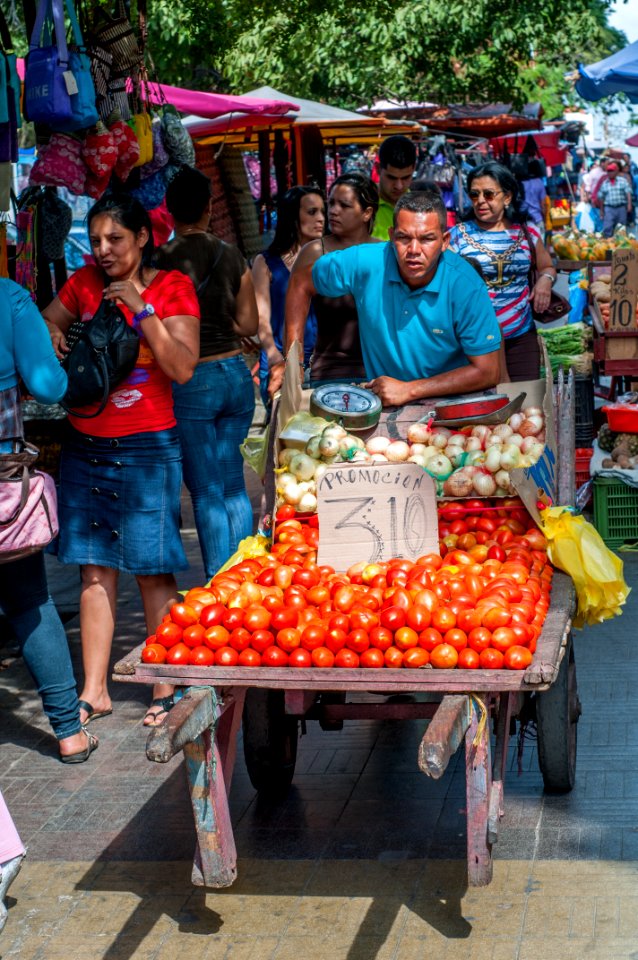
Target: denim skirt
{"x":119,"y":502}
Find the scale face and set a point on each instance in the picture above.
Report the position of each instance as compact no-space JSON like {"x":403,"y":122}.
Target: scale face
{"x":354,"y":407}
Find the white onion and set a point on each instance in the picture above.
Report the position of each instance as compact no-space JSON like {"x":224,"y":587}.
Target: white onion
{"x":334,"y":430}
{"x":378,"y":458}
{"x":377,"y":444}
{"x":285,"y":478}
{"x":493,"y":459}
{"x":418,"y":433}
{"x":286,"y":455}
{"x":418,"y":448}
{"x":397,"y":451}
{"x":293,"y":493}
{"x":439,"y":467}
{"x":307,"y":503}
{"x":515,"y":440}
{"x":329,"y":445}
{"x":503,"y":430}
{"x":510,"y":456}
{"x":440,"y":439}
{"x":484,"y":484}
{"x":532,"y":412}
{"x":416,"y":458}
{"x":502,"y":479}
{"x":527,"y":444}
{"x":535,"y":453}
{"x":457,"y":485}
{"x":303,"y":466}
{"x":474,"y":458}
{"x":481,"y":431}
{"x":455,"y":454}
{"x":473,"y":443}
{"x":515,"y":421}
{"x":493,"y":441}
{"x":320,"y":469}
{"x":430,"y":452}
{"x":531,"y":426}
{"x":458,"y":440}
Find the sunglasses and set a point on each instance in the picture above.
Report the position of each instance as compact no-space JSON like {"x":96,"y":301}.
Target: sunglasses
{"x":488,"y":194}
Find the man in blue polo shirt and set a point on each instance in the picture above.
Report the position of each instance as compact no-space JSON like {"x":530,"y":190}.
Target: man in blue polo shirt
{"x":426,"y":322}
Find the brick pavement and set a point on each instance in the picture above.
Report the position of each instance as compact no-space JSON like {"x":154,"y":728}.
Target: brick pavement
{"x":364,"y":859}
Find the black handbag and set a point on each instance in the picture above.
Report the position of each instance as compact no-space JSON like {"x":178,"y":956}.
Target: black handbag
{"x":104,"y":351}
{"x":558,"y":306}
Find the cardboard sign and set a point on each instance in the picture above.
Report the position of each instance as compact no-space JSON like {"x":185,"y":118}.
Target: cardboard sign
{"x":624,"y":290}
{"x":376,"y":512}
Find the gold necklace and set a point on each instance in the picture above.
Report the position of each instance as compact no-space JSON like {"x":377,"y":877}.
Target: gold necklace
{"x":500,"y":259}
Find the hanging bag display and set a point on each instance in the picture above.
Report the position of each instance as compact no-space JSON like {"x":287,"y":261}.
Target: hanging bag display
{"x":28,"y":505}
{"x":9,"y":80}
{"x":104,"y":351}
{"x":58,"y":87}
{"x":116,"y":37}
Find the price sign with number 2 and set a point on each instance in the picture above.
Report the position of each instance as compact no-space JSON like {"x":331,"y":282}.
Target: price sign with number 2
{"x":376,"y":512}
{"x":624,"y":290}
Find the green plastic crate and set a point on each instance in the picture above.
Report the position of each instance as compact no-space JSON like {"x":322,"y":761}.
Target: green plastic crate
{"x":615,"y":511}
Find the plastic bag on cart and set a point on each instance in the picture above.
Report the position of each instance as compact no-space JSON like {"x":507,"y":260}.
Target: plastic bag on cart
{"x":577,"y":548}
{"x":248,"y":548}
{"x":254,"y":450}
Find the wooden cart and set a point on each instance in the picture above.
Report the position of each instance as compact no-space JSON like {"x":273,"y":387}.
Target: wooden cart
{"x":205,"y":723}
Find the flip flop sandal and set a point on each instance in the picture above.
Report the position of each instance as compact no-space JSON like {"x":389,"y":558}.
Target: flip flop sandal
{"x":92,"y":713}
{"x":165,"y":704}
{"x":84,"y":754}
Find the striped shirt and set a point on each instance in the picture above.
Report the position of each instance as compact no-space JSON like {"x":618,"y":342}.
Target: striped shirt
{"x":508,"y":280}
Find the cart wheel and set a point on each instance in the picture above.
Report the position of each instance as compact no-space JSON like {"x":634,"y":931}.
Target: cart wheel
{"x":270,"y":742}
{"x":557,"y":713}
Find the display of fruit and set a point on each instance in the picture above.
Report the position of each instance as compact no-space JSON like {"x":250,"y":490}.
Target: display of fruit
{"x":609,"y":441}
{"x":574,"y":245}
{"x":481,"y":603}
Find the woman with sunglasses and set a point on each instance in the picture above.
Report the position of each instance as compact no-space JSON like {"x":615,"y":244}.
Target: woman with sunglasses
{"x":496,"y":235}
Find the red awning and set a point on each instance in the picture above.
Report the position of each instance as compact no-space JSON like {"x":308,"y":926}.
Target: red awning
{"x":547,"y":142}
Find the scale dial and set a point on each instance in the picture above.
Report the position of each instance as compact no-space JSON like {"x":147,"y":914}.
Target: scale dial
{"x":354,"y":407}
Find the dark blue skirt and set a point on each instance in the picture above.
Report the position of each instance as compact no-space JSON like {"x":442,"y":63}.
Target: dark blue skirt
{"x":119,"y":502}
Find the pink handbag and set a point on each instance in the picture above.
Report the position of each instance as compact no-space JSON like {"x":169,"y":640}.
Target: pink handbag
{"x":28,"y":505}
{"x":60,"y":164}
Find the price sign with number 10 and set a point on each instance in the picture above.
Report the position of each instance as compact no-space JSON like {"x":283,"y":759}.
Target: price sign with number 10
{"x":624,"y":290}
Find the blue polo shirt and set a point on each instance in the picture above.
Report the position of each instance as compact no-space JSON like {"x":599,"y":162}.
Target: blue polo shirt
{"x":411,"y":334}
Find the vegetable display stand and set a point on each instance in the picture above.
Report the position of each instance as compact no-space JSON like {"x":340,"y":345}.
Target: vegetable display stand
{"x":205,"y":721}
{"x":615,"y":352}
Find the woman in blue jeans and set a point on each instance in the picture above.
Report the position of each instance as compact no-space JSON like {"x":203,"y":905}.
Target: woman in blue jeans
{"x":26,"y":351}
{"x":215,"y":409}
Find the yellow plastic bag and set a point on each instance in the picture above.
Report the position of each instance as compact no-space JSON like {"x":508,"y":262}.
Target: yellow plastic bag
{"x":576,"y":547}
{"x":254,"y":450}
{"x":249,"y":547}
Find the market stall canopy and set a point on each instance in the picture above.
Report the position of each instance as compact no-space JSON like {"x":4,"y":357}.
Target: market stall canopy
{"x":632,"y":141}
{"x":547,"y":141}
{"x":334,"y":123}
{"x":615,"y":74}
{"x":484,"y":120}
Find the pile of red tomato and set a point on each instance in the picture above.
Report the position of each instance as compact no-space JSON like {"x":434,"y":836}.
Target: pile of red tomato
{"x":481,"y":604}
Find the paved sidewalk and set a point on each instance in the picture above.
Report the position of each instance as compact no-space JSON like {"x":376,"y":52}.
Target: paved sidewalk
{"x":364,"y":859}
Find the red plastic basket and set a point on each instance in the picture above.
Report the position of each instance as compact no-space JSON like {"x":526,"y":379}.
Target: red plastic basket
{"x":622,"y":417}
{"x":583,"y":456}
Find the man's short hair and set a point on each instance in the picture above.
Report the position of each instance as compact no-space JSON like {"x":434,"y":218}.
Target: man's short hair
{"x":398,"y":152}
{"x":423,"y":201}
{"x":188,"y":194}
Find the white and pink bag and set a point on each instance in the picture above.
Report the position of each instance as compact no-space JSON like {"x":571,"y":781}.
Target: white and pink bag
{"x":28,"y":504}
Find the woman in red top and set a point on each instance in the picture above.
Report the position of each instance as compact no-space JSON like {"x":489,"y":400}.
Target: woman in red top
{"x":121,"y":471}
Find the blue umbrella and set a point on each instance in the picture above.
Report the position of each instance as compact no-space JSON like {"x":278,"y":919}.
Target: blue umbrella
{"x":615,"y":74}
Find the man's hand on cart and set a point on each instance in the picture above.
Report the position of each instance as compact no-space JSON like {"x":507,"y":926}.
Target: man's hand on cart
{"x":391,"y":392}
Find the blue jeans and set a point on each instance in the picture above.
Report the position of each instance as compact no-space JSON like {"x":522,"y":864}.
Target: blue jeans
{"x":25,"y":601}
{"x":214,"y":412}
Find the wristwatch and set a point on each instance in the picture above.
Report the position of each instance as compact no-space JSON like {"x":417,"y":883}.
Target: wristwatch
{"x":148,"y":311}
{"x":550,"y":276}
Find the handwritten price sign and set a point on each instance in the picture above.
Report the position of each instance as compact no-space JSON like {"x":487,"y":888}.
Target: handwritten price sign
{"x":376,"y":512}
{"x":624,"y":290}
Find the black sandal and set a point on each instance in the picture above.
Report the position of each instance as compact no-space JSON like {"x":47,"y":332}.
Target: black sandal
{"x":92,"y":744}
{"x":165,"y":704}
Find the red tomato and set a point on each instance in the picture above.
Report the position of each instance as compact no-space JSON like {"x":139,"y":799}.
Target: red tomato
{"x":496,"y":617}
{"x":313,"y":636}
{"x":284,"y":618}
{"x":340,"y":621}
{"x":491,"y":659}
{"x":193,"y":636}
{"x":405,"y":638}
{"x":444,"y":657}
{"x":299,"y":658}
{"x":458,"y":527}
{"x":468,"y":619}
{"x":393,"y":657}
{"x":261,"y":640}
{"x":335,"y":639}
{"x":456,"y":638}
{"x":272,"y":602}
{"x":393,"y":618}
{"x":313,"y":521}
{"x":306,"y":578}
{"x":256,"y":618}
{"x":372,"y":657}
{"x":443,"y":619}
{"x":212,"y":615}
{"x":418,"y":617}
{"x":267,"y":577}
{"x":183,"y":614}
{"x":239,"y":639}
{"x":168,"y":634}
{"x":358,"y":640}
{"x":343,"y":598}
{"x":479,"y":639}
{"x":285,"y":512}
{"x":216,"y":637}
{"x":249,"y":658}
{"x":226,"y":657}
{"x":318,"y":594}
{"x":503,"y":638}
{"x":154,"y":653}
{"x":468,"y":659}
{"x":381,"y":638}
{"x":179,"y":655}
{"x":430,"y":638}
{"x":322,"y":657}
{"x":415,"y":658}
{"x":517,"y":658}
{"x":363,"y":620}
{"x":496,"y":552}
{"x":347,"y":658}
{"x":202,"y":657}
{"x":233,"y":617}
{"x":274,"y":657}
{"x":289,"y":638}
